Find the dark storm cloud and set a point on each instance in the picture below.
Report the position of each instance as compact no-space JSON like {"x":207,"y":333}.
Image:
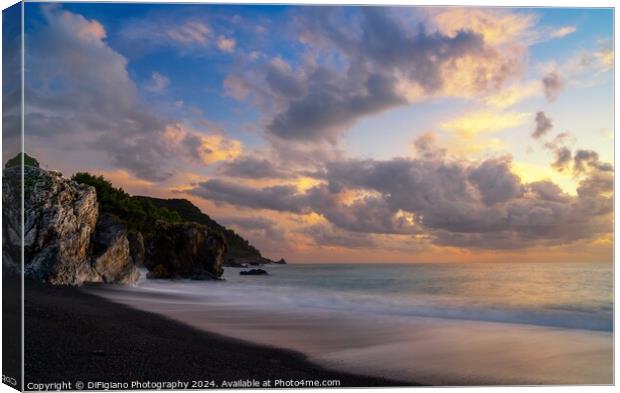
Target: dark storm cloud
{"x":543,"y":125}
{"x":553,"y":85}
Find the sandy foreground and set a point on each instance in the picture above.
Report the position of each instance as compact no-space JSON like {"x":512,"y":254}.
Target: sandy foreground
{"x":75,"y":336}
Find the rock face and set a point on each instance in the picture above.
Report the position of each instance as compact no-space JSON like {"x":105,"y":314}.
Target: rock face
{"x":136,"y":248}
{"x":111,"y":259}
{"x":187,"y":250}
{"x":60,"y":221}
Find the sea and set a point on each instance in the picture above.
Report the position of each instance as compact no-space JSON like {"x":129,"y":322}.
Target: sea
{"x":447,"y":324}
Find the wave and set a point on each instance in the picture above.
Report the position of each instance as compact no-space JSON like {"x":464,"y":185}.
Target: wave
{"x":293,"y":298}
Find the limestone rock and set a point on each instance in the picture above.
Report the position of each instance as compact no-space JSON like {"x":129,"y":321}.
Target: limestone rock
{"x":136,"y":247}
{"x":59,"y":219}
{"x":111,"y":259}
{"x":64,"y":242}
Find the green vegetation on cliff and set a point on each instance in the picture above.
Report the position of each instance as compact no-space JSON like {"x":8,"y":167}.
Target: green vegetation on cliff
{"x":238,"y":247}
{"x":138,"y":214}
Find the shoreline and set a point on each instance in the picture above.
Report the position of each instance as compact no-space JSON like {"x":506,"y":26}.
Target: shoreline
{"x":72,"y":335}
{"x":430,"y":351}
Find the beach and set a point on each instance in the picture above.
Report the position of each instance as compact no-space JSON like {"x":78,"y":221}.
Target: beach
{"x":361,"y":325}
{"x":72,"y":335}
{"x":443,"y":325}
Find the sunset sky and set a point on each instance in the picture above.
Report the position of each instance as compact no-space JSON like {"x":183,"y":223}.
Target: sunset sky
{"x":341,"y":134}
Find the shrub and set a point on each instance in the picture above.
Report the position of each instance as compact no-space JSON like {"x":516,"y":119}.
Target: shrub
{"x":136,"y":213}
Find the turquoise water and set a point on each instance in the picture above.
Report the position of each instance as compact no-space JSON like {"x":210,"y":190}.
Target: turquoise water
{"x":571,"y":295}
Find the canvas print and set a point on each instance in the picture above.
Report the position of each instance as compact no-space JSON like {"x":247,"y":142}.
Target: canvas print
{"x":201,"y":196}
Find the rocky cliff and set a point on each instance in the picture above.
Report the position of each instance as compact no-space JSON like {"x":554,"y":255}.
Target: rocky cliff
{"x":240,"y":252}
{"x":86,"y":230}
{"x":65,"y":240}
{"x":191,"y":250}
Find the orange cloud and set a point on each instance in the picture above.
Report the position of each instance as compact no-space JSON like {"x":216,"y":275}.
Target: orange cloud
{"x":485,"y":121}
{"x":497,"y":26}
{"x":208,"y":148}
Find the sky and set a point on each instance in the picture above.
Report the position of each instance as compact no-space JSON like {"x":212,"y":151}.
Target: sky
{"x":341,"y":134}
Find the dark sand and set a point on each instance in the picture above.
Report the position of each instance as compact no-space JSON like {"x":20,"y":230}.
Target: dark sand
{"x":71,"y":335}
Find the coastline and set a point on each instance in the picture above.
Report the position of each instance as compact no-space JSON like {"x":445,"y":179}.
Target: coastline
{"x":73,"y":335}
{"x":423,"y":350}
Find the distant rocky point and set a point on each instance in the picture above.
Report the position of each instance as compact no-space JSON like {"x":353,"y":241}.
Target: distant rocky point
{"x":85,"y":230}
{"x":240,"y":252}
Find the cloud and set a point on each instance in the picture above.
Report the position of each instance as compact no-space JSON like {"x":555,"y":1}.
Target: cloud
{"x":252,"y":168}
{"x":226,"y":44}
{"x":496,"y":182}
{"x":204,"y":148}
{"x":266,"y":228}
{"x":382,"y":62}
{"x":164,"y":31}
{"x":495,"y":25}
{"x":280,"y":198}
{"x":560,"y":140}
{"x":473,"y":123}
{"x":511,"y":95}
{"x":325,"y":111}
{"x":552,"y":84}
{"x":235,"y":87}
{"x":90,"y":99}
{"x":543,"y":125}
{"x":606,"y":58}
{"x":473,"y":204}
{"x":563,"y":31}
{"x":426,"y":146}
{"x":327,"y":235}
{"x":563,"y":157}
{"x":157,"y":83}
{"x":589,"y":159}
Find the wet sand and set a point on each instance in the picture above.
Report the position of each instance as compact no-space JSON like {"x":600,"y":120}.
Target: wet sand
{"x":426,"y":350}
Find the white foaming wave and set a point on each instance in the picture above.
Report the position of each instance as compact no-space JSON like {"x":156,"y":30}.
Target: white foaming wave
{"x":287,"y":297}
